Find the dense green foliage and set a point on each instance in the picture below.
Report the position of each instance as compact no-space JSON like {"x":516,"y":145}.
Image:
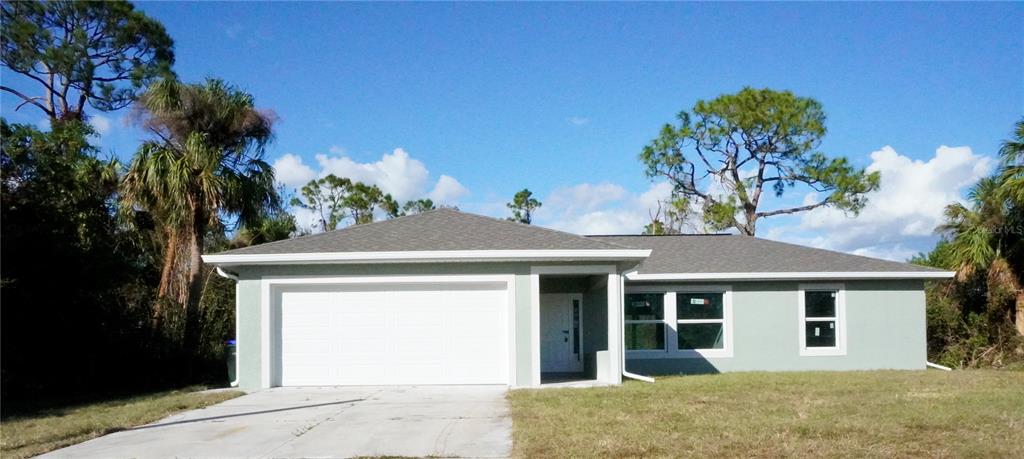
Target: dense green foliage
{"x":95,"y":334}
{"x":745,"y":142}
{"x":977,"y":319}
{"x":136,"y":308}
{"x":76,"y":285}
{"x":78,"y":53}
{"x":523,"y":204}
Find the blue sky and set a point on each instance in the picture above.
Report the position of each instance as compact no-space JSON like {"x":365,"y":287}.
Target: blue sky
{"x":560,"y":98}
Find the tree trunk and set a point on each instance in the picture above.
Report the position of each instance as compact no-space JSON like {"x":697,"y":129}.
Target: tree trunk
{"x":194,"y":279}
{"x":748,"y":228}
{"x":174,"y":274}
{"x":170,"y":252}
{"x":192,"y":289}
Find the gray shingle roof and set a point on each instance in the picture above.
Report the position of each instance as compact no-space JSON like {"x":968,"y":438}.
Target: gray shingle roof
{"x":442,"y":229}
{"x":451,"y":230}
{"x":744,"y":254}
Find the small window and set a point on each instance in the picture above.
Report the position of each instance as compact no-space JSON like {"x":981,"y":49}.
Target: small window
{"x":700,"y":320}
{"x":644,"y":321}
{"x":821,"y":317}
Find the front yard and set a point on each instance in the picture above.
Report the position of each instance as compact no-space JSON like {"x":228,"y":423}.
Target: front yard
{"x":877,"y":413}
{"x":29,"y":435}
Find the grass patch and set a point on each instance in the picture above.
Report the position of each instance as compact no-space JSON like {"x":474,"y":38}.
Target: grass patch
{"x":50,"y":429}
{"x":818,"y":414}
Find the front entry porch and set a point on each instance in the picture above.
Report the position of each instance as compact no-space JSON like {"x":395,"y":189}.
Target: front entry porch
{"x":577,"y":328}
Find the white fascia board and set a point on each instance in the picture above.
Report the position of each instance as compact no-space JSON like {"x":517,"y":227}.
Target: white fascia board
{"x":635,"y":276}
{"x":426,"y":256}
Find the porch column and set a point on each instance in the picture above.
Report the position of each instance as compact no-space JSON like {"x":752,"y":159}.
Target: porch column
{"x":615,"y":325}
{"x":534,"y":327}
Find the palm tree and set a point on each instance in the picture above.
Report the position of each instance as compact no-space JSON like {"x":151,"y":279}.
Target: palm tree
{"x":274,"y":226}
{"x":1012,"y":177}
{"x":981,"y":239}
{"x":203,"y":168}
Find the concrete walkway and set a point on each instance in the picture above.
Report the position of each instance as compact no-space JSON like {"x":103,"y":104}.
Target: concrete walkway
{"x":447,"y":421}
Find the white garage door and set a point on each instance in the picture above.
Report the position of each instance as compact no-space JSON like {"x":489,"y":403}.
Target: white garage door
{"x":394,"y":334}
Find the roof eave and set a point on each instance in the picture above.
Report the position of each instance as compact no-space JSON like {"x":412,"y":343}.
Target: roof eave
{"x":424,"y":256}
{"x":753,"y":276}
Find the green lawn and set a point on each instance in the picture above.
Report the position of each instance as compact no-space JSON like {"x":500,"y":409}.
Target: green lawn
{"x":876,"y":413}
{"x":29,"y":435}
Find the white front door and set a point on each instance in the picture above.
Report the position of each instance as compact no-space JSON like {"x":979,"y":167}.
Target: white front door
{"x":394,"y":334}
{"x":561,"y":337}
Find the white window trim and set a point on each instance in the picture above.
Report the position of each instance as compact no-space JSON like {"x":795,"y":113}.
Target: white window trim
{"x":840,"y":347}
{"x":671,"y":322}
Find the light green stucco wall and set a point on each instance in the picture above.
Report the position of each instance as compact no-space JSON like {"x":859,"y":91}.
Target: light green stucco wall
{"x":885,"y":322}
{"x":885,"y":330}
{"x":249,"y":318}
{"x":247,"y":333}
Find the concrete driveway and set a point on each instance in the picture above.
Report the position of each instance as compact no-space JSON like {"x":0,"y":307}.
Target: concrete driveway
{"x":448,"y":421}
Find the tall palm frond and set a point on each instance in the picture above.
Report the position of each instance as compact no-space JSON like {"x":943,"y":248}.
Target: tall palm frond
{"x":1012,"y":153}
{"x":973,"y":231}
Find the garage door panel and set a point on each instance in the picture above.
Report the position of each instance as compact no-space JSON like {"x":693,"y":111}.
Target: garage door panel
{"x":411,"y":350}
{"x":395,"y":334}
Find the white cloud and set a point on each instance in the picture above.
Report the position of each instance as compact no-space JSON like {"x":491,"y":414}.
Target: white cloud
{"x":101,"y":124}
{"x":895,"y":252}
{"x":291,"y":171}
{"x":615,"y":221}
{"x":603,"y":208}
{"x":903,"y":213}
{"x":305,"y":218}
{"x":584,"y":197}
{"x":578,"y":120}
{"x":447,"y":190}
{"x":396,"y":173}
{"x":656,"y":192}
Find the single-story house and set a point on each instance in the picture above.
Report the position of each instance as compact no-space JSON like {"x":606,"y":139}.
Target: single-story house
{"x":447,"y":297}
